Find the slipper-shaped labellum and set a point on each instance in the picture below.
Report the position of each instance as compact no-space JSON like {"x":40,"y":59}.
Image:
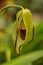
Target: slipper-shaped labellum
{"x":25,"y":28}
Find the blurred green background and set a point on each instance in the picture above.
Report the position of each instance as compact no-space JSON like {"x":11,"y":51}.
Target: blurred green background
{"x":36,"y":7}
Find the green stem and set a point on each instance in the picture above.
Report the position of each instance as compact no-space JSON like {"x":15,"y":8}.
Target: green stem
{"x":9,"y":6}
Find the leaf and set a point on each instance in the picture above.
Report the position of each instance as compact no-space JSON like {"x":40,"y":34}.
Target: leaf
{"x":25,"y":59}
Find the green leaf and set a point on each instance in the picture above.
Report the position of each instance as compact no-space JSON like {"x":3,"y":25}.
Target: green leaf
{"x":26,"y":59}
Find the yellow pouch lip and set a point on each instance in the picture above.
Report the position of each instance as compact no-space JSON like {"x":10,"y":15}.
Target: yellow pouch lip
{"x":26,"y":24}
